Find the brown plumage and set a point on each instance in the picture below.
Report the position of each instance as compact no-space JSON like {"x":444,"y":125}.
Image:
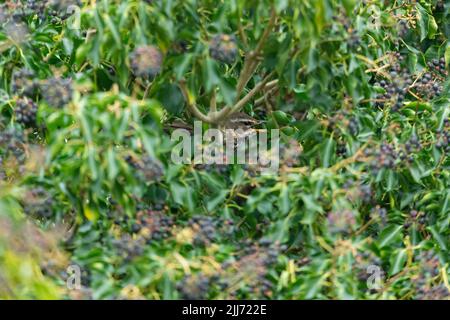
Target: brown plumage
{"x":238,"y":120}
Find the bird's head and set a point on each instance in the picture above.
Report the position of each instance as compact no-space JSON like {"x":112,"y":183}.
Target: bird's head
{"x":240,"y":120}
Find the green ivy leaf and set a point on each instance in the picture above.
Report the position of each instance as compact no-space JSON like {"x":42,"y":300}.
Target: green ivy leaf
{"x":389,"y":235}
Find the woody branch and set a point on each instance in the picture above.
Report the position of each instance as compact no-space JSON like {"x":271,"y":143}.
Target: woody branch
{"x":251,"y":64}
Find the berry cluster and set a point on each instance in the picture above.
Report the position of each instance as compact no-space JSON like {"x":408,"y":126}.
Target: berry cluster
{"x":265,"y":250}
{"x":57,"y":91}
{"x":129,"y":248}
{"x":20,"y":10}
{"x":383,"y":158}
{"x":195,"y":287}
{"x":437,"y":66}
{"x":154,"y":225}
{"x":38,"y":203}
{"x":26,"y":112}
{"x":223,"y":48}
{"x":12,"y":142}
{"x":146,"y":62}
{"x":12,"y":151}
{"x":424,"y":282}
{"x":415,"y":218}
{"x":24,"y":83}
{"x":343,"y":119}
{"x":61,"y":9}
{"x":253,"y":264}
{"x":396,"y":87}
{"x":429,"y":263}
{"x":443,"y":137}
{"x":430,"y":292}
{"x":207,"y":229}
{"x":412,"y":146}
{"x":428,"y":86}
{"x":57,"y":10}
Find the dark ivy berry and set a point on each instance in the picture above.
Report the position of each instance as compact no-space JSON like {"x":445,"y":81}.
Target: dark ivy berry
{"x":146,"y":61}
{"x":396,"y":87}
{"x":26,"y":112}
{"x":341,"y":150}
{"x":135,"y":228}
{"x":223,"y":48}
{"x":385,"y":157}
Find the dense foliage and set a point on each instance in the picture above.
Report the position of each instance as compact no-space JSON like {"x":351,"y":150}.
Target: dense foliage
{"x":89,"y":91}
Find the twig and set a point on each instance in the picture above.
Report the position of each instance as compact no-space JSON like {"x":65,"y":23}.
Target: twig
{"x":415,"y":96}
{"x":242,"y":32}
{"x":147,"y":89}
{"x":251,"y":61}
{"x":271,"y":88}
{"x":352,"y":159}
{"x":364,"y":227}
{"x":191,"y":104}
{"x":225,"y":112}
{"x":250,"y":65}
{"x":213,"y":103}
